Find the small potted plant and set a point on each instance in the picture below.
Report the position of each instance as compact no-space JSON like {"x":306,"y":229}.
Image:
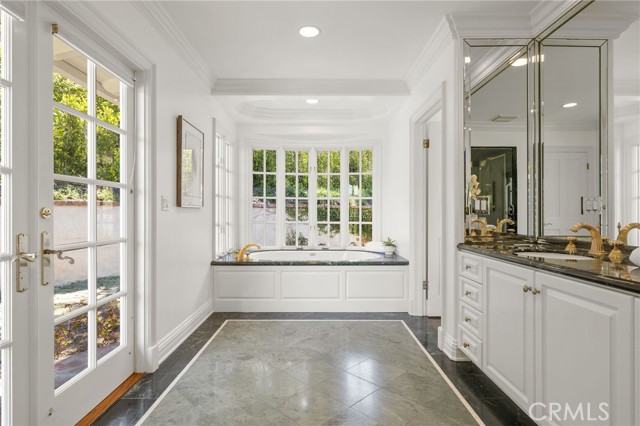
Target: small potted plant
{"x":389,"y":247}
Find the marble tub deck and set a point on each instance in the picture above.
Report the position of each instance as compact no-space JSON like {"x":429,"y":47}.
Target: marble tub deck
{"x":297,"y":372}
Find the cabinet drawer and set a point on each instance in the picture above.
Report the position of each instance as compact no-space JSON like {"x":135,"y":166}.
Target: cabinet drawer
{"x":470,"y":266}
{"x":470,"y":293}
{"x":470,"y":319}
{"x":471,"y":346}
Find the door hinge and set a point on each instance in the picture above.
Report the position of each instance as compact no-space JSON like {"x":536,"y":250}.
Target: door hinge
{"x":425,"y":285}
{"x":425,"y":143}
{"x":587,"y":166}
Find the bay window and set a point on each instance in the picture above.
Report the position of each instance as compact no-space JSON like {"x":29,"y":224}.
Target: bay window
{"x":312,"y":197}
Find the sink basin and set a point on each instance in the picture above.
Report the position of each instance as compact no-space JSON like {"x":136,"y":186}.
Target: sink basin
{"x":552,"y":255}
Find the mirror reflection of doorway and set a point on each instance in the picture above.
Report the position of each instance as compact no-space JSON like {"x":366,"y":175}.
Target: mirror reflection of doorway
{"x":495,"y":168}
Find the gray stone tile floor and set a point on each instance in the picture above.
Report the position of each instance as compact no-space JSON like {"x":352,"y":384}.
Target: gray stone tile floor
{"x":313,"y":373}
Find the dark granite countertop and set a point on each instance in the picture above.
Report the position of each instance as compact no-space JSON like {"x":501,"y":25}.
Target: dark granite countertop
{"x":601,"y":271}
{"x":394,"y":260}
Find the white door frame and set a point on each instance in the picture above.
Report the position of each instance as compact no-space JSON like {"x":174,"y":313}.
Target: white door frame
{"x":433,"y":105}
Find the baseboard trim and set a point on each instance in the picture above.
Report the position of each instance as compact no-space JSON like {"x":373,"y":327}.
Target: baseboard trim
{"x":449,"y":346}
{"x":171,"y":341}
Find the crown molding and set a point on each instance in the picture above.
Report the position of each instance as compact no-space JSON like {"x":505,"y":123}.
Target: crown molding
{"x":578,"y":126}
{"x":630,"y":112}
{"x":442,"y":36}
{"x":547,"y":12}
{"x":256,"y":112}
{"x":484,"y":25}
{"x":597,"y":26}
{"x":160,"y":20}
{"x":485,"y":66}
{"x":309,"y":87}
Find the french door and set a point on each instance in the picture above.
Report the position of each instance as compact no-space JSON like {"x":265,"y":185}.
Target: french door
{"x":85,"y":301}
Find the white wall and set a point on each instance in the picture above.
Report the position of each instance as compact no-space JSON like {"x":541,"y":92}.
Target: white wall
{"x":398,"y":180}
{"x":184,"y":236}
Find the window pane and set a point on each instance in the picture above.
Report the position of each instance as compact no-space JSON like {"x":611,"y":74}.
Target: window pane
{"x":367,"y":161}
{"x":70,"y":349}
{"x":257,"y":233}
{"x":108,"y":328}
{"x":354,"y":161}
{"x":4,"y":209}
{"x":257,"y":210}
{"x":69,"y":144}
{"x":108,"y":270}
{"x":335,"y":186}
{"x":71,"y":282}
{"x":303,"y":186}
{"x":107,"y":155}
{"x":335,"y":162}
{"x":258,"y":185}
{"x":322,"y":186}
{"x":303,"y":162}
{"x":271,"y":186}
{"x":367,"y":211}
{"x":108,"y":213}
{"x":334,"y":211}
{"x":354,"y":186}
{"x":323,"y":162}
{"x":367,"y":185}
{"x":3,"y":125}
{"x":367,"y":233}
{"x":70,"y":212}
{"x":69,"y":76}
{"x":290,"y":237}
{"x":108,"y":97}
{"x":290,"y":209}
{"x":290,"y":186}
{"x":303,"y":211}
{"x":354,"y":234}
{"x":271,"y":161}
{"x":290,"y":162}
{"x":270,"y":234}
{"x":354,"y":210}
{"x":322,"y":211}
{"x":322,"y":236}
{"x":334,"y":234}
{"x":270,"y":212}
{"x":258,"y":160}
{"x":303,"y":234}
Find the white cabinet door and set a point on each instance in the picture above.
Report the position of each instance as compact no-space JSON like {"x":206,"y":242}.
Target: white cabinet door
{"x":584,"y":350}
{"x":509,"y":330}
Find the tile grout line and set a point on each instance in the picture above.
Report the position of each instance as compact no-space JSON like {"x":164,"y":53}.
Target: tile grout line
{"x":444,"y":376}
{"x":178,"y":377}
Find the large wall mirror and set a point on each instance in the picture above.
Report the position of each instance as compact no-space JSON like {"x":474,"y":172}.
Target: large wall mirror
{"x":577,"y":156}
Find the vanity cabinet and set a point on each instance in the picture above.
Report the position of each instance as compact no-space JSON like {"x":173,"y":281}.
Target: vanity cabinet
{"x":547,"y":339}
{"x":509,"y":329}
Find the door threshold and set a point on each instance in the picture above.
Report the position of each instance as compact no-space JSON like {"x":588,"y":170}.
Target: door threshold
{"x":111,"y":399}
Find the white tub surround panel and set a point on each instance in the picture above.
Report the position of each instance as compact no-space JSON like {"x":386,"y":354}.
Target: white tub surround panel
{"x":637,"y":359}
{"x":319,"y":288}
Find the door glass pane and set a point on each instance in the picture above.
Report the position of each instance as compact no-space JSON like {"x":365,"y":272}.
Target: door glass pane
{"x":70,"y":353}
{"x":71,"y":282}
{"x":108,"y":327}
{"x":69,"y":76}
{"x":2,"y":398}
{"x":108,"y":213}
{"x":2,"y":125}
{"x":69,"y":144}
{"x":108,"y":97}
{"x":70,"y":213}
{"x":5,"y":277}
{"x":107,"y":155}
{"x":108,"y":270}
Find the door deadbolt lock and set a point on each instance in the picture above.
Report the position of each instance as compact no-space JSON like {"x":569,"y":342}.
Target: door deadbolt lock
{"x":46,"y":213}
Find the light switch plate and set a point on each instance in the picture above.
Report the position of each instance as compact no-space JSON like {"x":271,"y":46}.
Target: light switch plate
{"x":164,"y":203}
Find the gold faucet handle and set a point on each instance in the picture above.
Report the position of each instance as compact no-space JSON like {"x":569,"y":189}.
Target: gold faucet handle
{"x":616,"y":256}
{"x":571,"y":246}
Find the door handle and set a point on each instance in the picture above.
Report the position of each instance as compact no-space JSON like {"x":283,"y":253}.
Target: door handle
{"x":59,"y":255}
{"x":22,"y":260}
{"x":27,"y":257}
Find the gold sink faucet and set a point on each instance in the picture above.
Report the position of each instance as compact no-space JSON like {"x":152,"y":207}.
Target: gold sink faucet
{"x":596,"y":240}
{"x":502,"y":222}
{"x":622,"y":233}
{"x":483,"y":226}
{"x":241,"y":255}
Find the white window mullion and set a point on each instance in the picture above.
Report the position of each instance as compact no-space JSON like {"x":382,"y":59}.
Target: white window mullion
{"x":344,"y":197}
{"x":280,"y":198}
{"x":313,"y":193}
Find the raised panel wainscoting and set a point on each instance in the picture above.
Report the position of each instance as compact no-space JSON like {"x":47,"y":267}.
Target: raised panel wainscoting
{"x":310,"y":289}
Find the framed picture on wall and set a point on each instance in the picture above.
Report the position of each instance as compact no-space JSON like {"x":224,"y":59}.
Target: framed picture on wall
{"x":190,"y":165}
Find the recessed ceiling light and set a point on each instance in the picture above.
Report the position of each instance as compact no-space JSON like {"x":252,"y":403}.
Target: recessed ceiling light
{"x":309,"y":31}
{"x":519,"y":62}
{"x":312,"y":101}
{"x":570,"y":105}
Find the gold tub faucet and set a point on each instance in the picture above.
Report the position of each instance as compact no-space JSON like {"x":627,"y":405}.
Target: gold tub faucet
{"x":596,"y":240}
{"x":502,"y":222}
{"x":241,"y":255}
{"x":622,"y":232}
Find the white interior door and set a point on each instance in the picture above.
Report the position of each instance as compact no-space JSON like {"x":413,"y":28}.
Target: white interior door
{"x":566,"y":180}
{"x":434,"y":215}
{"x":85,"y":301}
{"x":17,"y":254}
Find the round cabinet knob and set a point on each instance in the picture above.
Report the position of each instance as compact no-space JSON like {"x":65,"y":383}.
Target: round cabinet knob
{"x":535,"y":291}
{"x":467,"y":319}
{"x":526,"y":288}
{"x":467,"y":266}
{"x":465,"y":344}
{"x":467,"y":293}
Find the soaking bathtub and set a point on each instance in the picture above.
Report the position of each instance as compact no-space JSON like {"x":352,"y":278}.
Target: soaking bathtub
{"x":311,"y":281}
